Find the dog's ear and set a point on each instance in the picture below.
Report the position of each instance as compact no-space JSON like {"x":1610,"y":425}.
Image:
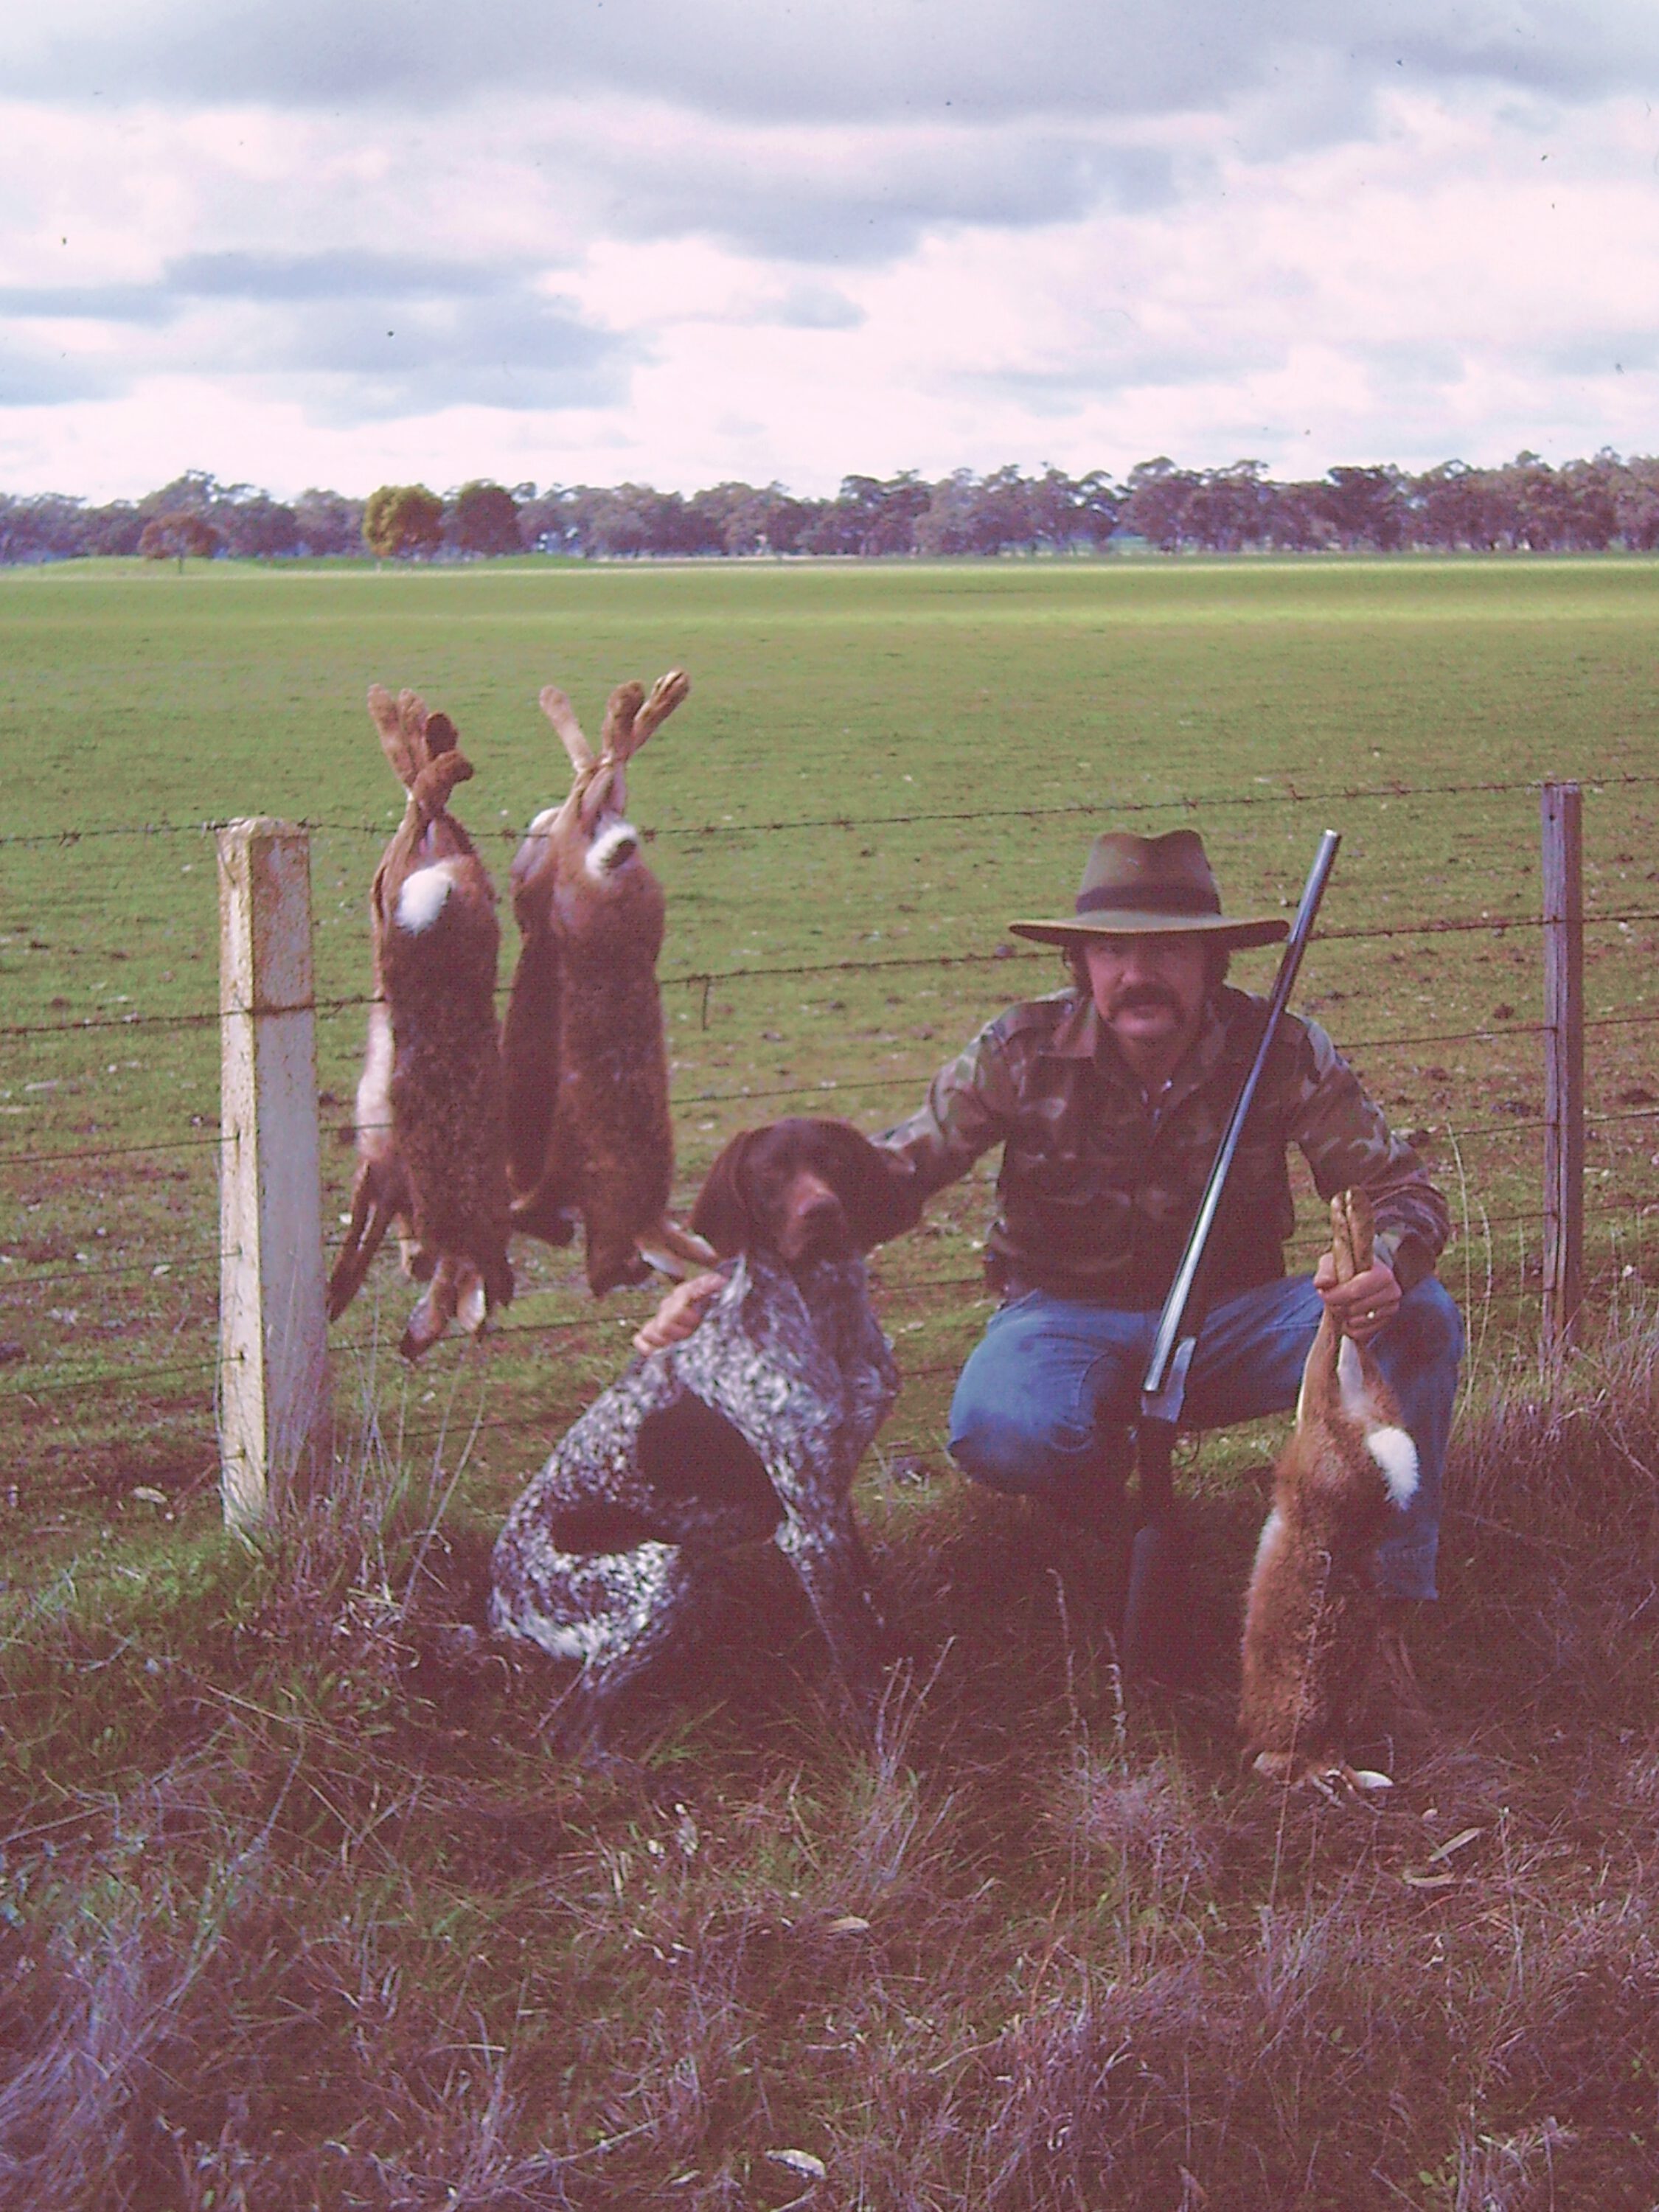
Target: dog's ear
{"x":724,"y":1215}
{"x":875,"y":1187}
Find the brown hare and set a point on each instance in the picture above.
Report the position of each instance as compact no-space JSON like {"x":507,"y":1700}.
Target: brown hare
{"x":431,"y":1114}
{"x":588,"y":1128}
{"x":1311,"y":1621}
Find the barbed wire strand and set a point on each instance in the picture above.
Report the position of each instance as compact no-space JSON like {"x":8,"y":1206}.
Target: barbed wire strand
{"x":1284,"y":789}
{"x":706,"y":978}
{"x":343,"y":1132}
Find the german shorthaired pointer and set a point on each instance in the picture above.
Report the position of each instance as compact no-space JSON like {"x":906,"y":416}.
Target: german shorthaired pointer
{"x":751,"y":1427}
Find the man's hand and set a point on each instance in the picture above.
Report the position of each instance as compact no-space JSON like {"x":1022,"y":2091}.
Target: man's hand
{"x":1363,"y":1307}
{"x":679,"y":1313}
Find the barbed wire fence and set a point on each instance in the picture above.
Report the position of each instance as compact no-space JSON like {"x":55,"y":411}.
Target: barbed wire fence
{"x":62,"y":1392}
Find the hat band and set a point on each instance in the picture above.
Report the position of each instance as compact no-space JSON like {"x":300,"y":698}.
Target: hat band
{"x":1148,"y":898}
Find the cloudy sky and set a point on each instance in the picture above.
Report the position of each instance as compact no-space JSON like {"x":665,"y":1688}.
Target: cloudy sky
{"x":340,"y":242}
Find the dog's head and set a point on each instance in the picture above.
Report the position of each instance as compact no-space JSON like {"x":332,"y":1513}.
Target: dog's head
{"x":803,"y":1190}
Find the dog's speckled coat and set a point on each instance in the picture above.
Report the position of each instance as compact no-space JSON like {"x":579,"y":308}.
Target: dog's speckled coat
{"x":796,"y":1361}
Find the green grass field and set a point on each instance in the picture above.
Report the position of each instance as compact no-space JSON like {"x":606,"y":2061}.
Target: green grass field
{"x":928,"y":749}
{"x":309,"y":1898}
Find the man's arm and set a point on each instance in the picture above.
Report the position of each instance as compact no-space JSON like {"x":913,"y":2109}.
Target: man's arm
{"x":969,"y":1107}
{"x":1348,"y":1144}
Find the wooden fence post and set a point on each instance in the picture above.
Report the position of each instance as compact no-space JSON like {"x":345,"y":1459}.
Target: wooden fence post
{"x":273,"y":1384}
{"x":1562,"y":807}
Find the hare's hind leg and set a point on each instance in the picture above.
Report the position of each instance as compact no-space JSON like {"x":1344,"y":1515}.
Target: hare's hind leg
{"x":543,"y":1213}
{"x":375,"y":1207}
{"x":436,"y":1309}
{"x":615,"y":1262}
{"x":674,"y":1251}
{"x":485,"y":1284}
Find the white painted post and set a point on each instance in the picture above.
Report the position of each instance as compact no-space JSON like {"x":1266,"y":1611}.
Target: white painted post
{"x":1562,"y":809}
{"x":273,"y":1388}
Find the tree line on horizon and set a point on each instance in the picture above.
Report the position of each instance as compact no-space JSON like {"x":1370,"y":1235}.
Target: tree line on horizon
{"x":1583,"y":505}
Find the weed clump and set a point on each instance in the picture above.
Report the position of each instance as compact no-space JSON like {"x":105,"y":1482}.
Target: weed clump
{"x":290,"y":1916}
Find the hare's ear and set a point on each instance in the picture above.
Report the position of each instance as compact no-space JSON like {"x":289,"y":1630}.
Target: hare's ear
{"x":442,"y":736}
{"x":563,"y":715}
{"x":667,"y":693}
{"x":402,"y":740}
{"x":616,"y":738}
{"x":723,"y":1215}
{"x":438,"y":778}
{"x":1352,"y":1233}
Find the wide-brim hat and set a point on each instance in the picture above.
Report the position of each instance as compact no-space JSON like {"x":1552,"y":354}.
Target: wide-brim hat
{"x":1151,"y":887}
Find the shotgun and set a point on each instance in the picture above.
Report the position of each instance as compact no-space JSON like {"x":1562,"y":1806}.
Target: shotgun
{"x":1152,"y":1640}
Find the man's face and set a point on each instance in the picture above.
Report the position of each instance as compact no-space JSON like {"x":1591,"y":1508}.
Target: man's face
{"x":1149,"y":991}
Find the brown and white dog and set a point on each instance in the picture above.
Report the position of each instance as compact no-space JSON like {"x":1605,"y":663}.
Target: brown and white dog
{"x":1312,"y":1617}
{"x":750,"y":1428}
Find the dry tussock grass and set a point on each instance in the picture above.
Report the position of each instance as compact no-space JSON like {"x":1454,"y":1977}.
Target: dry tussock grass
{"x":291,"y":1919}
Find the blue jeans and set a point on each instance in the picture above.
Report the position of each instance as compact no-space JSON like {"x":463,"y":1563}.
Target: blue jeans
{"x":1051,"y":1374}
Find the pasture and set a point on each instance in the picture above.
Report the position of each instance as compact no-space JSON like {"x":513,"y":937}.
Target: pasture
{"x":312,"y":1927}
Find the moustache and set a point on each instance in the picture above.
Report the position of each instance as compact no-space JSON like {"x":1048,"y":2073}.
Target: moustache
{"x":1140,"y":995}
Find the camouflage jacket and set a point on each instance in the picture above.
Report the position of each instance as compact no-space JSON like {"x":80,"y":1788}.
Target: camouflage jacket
{"x":1097,"y":1190}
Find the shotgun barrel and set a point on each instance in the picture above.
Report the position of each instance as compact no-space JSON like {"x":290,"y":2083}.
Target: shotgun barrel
{"x":1153,"y":1601}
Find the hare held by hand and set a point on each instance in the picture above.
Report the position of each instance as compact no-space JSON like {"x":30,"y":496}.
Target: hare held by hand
{"x":1313,"y":1615}
{"x":431,"y":1135}
{"x":589,"y":1135}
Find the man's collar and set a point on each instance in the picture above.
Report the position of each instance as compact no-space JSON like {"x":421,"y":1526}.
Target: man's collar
{"x":1081,"y":1032}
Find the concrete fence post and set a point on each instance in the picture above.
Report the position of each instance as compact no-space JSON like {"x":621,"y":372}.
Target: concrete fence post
{"x":1562,"y":809}
{"x":273,"y":1386}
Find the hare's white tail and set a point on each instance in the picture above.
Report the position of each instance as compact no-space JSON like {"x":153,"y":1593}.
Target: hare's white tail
{"x":431,"y":1121}
{"x":1311,"y":1619}
{"x":587,"y":1070}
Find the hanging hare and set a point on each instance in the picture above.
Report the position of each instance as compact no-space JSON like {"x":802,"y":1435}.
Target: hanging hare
{"x":1311,"y":1621}
{"x":588,"y":1129}
{"x":430,"y":1118}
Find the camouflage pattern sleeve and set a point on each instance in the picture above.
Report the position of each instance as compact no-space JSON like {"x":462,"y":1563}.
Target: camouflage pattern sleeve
{"x":970,"y":1106}
{"x":1347,"y":1143}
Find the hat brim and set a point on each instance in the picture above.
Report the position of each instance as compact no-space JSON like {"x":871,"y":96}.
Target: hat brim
{"x":1236,"y":934}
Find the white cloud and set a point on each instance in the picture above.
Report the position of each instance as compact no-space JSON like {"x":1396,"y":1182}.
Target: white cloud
{"x":847,"y":59}
{"x":687,"y":243}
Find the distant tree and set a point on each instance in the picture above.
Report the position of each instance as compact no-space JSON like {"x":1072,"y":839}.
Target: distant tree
{"x":328,"y":522}
{"x":631,"y":520}
{"x":253,"y":525}
{"x":1455,"y":505}
{"x":1635,"y":487}
{"x":1366,"y":507}
{"x":1294,"y":520}
{"x":194,"y":492}
{"x":946,"y":524}
{"x":484,"y":519}
{"x":1229,"y":508}
{"x":1566,"y":510}
{"x":403,"y":522}
{"x":770,"y":521}
{"x":180,"y":535}
{"x":712,"y":523}
{"x":1005,"y":514}
{"x":547,"y":520}
{"x":743,"y":519}
{"x":1158,"y":494}
{"x":830,"y":526}
{"x":1097,"y":508}
{"x":880,"y":515}
{"x":44,"y":527}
